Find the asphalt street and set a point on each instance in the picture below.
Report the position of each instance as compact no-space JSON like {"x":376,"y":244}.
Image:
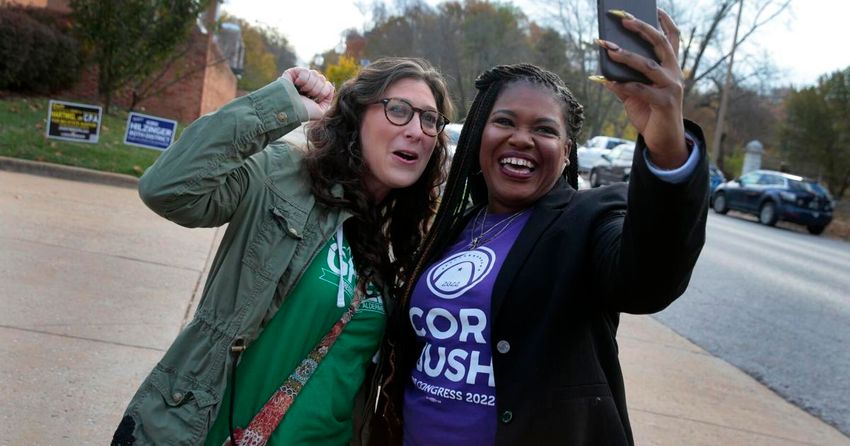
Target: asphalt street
{"x":93,"y":289}
{"x":775,"y":303}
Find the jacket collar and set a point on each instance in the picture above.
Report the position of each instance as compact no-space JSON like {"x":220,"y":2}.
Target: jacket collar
{"x":545,"y":210}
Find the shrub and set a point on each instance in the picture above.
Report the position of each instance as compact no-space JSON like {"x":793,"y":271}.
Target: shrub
{"x":36,"y":51}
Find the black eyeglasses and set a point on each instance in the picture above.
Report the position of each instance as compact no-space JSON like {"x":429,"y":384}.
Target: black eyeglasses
{"x":399,"y":112}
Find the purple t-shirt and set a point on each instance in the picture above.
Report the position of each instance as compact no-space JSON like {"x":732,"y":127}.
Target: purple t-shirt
{"x":451,"y":396}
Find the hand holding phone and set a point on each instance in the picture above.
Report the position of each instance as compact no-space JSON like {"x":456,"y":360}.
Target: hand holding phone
{"x":611,"y":29}
{"x":654,"y":108}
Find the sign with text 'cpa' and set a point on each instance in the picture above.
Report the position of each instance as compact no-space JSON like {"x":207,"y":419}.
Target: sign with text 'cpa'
{"x":73,"y":122}
{"x":149,"y":131}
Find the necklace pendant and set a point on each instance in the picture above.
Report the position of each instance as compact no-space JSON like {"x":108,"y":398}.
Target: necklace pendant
{"x":474,"y":243}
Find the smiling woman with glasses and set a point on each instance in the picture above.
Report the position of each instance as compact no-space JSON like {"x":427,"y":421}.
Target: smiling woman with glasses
{"x":399,"y":112}
{"x":318,"y":240}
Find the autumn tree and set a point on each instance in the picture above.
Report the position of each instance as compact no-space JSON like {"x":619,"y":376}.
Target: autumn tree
{"x":462,"y":40}
{"x":278,"y":45}
{"x":706,"y":45}
{"x":130,"y":39}
{"x":816,"y":133}
{"x":342,"y":71}
{"x":267,"y":53}
{"x":260,"y":66}
{"x":575,"y":21}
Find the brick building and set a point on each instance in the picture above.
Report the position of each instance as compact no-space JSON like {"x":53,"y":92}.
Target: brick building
{"x":197,"y":82}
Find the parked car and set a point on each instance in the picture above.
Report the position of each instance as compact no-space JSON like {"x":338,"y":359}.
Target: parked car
{"x":715,"y":178}
{"x":582,"y":183}
{"x":453,"y":133}
{"x":614,"y":166}
{"x":775,"y":196}
{"x":591,"y":152}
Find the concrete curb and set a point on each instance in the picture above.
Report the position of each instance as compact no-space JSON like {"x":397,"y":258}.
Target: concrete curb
{"x":68,"y":172}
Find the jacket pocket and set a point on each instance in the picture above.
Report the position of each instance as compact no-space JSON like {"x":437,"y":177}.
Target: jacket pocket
{"x":280,"y":226}
{"x":593,"y":417}
{"x":592,"y":391}
{"x":174,"y":410}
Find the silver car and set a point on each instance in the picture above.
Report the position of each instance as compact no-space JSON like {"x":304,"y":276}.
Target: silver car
{"x":591,"y":153}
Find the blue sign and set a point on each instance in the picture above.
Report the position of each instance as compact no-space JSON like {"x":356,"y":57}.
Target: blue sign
{"x":149,"y":131}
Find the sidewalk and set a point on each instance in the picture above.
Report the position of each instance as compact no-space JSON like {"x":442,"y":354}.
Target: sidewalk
{"x":93,"y":288}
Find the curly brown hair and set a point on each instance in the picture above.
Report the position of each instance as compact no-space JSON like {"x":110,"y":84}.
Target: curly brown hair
{"x":385,"y":236}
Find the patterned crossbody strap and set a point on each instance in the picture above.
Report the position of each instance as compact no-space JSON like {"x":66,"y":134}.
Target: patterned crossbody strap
{"x":266,"y":420}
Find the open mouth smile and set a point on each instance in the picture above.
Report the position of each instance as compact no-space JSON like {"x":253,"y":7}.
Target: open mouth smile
{"x":519,"y":167}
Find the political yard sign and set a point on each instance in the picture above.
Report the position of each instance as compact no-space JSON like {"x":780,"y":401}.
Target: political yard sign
{"x":149,"y":131}
{"x":73,"y":122}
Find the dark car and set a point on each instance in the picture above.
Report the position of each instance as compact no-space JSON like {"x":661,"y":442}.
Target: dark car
{"x":614,"y":166}
{"x":715,"y":178}
{"x":774,"y":196}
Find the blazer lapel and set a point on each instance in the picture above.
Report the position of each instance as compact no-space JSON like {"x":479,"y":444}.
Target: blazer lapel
{"x":542,"y":216}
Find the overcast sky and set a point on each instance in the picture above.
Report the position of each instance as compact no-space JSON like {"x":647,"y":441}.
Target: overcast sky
{"x":810,"y":40}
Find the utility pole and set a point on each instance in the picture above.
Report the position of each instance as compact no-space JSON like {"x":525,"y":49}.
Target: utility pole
{"x":724,"y":95}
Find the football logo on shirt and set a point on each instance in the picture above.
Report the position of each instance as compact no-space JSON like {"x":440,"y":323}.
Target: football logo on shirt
{"x":460,"y":272}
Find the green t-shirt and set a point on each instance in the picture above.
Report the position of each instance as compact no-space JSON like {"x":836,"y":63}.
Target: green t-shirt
{"x":321,"y":413}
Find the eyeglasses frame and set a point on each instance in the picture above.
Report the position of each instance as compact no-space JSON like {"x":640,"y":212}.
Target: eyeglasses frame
{"x":386,"y":101}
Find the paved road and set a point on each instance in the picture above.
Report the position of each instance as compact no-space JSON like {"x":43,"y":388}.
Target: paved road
{"x":93,"y":289}
{"x":775,"y":303}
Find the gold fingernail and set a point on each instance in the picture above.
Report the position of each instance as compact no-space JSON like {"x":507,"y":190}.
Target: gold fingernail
{"x":598,"y":79}
{"x":621,"y":13}
{"x":607,"y":45}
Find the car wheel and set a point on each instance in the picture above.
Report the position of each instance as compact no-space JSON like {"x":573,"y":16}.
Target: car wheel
{"x":816,"y":229}
{"x":767,"y":213}
{"x":720,"y":204}
{"x":594,"y":179}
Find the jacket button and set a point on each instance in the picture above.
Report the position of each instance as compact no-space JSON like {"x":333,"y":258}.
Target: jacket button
{"x":282,"y":117}
{"x":294,"y":232}
{"x":177,"y":397}
{"x":507,"y":416}
{"x":503,"y":346}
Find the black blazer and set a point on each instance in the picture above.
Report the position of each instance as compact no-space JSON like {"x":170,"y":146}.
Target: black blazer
{"x":582,"y":258}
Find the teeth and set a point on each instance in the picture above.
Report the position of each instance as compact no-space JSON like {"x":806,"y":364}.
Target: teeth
{"x":517,"y":162}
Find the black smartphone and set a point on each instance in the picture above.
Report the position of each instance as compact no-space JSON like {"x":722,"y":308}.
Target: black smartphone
{"x":611,"y":29}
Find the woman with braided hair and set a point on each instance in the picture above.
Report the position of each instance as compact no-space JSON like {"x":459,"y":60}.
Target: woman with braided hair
{"x":510,"y":327}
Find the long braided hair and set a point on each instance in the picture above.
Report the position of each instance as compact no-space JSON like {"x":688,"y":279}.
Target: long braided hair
{"x":465,"y":187}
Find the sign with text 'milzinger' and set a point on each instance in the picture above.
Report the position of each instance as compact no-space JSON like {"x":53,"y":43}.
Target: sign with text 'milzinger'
{"x":73,"y":122}
{"x":149,"y":131}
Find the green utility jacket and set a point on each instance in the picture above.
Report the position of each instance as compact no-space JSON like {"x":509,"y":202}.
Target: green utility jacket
{"x":225,"y":168}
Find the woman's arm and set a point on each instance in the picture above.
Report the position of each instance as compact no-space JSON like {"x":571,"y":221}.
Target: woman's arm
{"x":200,"y":180}
{"x":643,"y":257}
